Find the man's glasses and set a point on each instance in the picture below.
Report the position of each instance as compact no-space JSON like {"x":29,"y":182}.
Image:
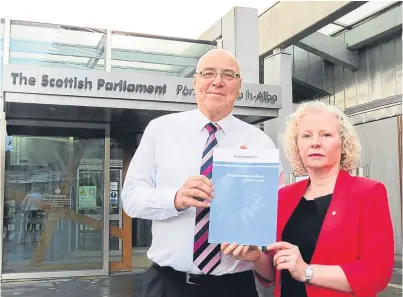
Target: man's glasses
{"x":227,"y":75}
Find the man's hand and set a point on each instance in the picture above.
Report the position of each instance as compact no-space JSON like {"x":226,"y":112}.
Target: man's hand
{"x":242,"y":252}
{"x":197,"y":191}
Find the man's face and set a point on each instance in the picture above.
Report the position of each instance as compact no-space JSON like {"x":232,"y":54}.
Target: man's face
{"x":217,"y":86}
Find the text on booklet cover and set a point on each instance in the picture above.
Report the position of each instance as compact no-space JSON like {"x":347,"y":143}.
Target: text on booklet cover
{"x":244,"y":207}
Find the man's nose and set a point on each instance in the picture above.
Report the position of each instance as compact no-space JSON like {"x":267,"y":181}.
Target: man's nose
{"x":218,"y":81}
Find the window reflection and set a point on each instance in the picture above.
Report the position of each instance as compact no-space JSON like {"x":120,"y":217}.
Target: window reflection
{"x":53,"y":210}
{"x":56,"y":46}
{"x":155,"y":55}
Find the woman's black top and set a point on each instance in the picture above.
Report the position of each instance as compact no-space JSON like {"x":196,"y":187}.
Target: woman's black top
{"x":302,"y":230}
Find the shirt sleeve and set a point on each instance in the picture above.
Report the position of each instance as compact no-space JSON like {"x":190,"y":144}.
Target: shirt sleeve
{"x":140,"y":196}
{"x":264,"y":282}
{"x":371,"y":273}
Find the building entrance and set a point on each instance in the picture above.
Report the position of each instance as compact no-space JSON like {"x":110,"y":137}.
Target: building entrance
{"x":62,"y":208}
{"x":65,"y":166}
{"x":55,"y":207}
{"x":71,"y":120}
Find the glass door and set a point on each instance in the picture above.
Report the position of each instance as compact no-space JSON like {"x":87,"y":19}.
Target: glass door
{"x":55,"y":207}
{"x":87,"y":239}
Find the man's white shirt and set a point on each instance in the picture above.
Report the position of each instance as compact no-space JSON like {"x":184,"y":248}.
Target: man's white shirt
{"x":170,"y":152}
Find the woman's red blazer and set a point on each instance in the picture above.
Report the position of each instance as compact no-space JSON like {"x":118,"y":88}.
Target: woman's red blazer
{"x":357,"y":234}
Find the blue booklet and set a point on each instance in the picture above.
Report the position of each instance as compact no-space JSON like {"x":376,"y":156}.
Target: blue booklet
{"x":244,"y":208}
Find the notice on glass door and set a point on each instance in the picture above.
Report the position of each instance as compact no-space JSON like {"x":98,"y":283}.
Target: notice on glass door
{"x":58,"y":199}
{"x":87,"y":196}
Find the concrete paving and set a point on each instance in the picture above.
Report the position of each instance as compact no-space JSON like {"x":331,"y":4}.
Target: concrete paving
{"x":119,"y":285}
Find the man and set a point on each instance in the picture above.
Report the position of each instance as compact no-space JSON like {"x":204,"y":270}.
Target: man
{"x":168,"y":181}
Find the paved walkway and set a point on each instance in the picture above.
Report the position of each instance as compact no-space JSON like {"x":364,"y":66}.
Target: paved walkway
{"x":118,"y":285}
{"x":121,"y":285}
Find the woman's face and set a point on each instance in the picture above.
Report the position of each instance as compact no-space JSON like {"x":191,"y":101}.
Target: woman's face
{"x":319,"y":141}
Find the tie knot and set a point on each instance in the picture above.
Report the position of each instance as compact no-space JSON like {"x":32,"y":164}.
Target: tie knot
{"x":212,"y":128}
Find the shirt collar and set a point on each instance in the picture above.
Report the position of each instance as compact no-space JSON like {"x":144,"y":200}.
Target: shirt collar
{"x":225,"y":124}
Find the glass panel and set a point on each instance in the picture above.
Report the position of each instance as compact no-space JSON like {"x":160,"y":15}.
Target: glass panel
{"x":54,"y":201}
{"x":330,"y":29}
{"x":156,"y":55}
{"x":56,"y":46}
{"x":363,"y":11}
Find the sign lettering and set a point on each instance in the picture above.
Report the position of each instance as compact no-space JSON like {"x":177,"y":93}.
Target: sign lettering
{"x":119,"y":85}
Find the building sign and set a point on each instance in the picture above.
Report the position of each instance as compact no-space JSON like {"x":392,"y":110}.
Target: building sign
{"x":122,"y":85}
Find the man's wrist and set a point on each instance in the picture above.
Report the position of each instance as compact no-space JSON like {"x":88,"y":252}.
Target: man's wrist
{"x":263,"y":260}
{"x":261,"y":277}
{"x":261,"y":255}
{"x":176,"y":204}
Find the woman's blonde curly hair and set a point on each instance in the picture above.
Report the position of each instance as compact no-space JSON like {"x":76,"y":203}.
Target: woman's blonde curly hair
{"x":350,"y":145}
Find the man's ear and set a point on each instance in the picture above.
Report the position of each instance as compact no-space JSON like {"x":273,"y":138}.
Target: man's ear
{"x":240,"y":87}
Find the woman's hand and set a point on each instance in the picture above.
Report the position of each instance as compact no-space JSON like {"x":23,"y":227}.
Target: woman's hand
{"x":242,"y":252}
{"x":288,"y":256}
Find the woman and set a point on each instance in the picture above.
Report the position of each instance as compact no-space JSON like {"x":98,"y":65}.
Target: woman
{"x":334,"y":230}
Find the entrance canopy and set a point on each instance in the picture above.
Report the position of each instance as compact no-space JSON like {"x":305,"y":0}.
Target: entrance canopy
{"x":64,"y":73}
{"x":118,"y":98}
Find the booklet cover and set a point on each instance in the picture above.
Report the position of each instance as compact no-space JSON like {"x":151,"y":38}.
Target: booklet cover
{"x":244,"y":207}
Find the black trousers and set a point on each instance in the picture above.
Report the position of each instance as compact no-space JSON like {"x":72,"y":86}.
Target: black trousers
{"x":167,"y":282}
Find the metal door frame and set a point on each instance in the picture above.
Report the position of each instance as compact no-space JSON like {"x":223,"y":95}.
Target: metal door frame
{"x":105,"y":256}
{"x":76,"y":251}
{"x":119,"y":216}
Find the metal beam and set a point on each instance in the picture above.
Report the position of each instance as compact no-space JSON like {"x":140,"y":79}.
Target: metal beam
{"x":342,"y":25}
{"x":277,"y":31}
{"x":154,"y":58}
{"x":374,"y":105}
{"x":330,"y":49}
{"x":381,"y":27}
{"x":187,"y":72}
{"x":92,"y":62}
{"x":108,"y":51}
{"x":61,"y":52}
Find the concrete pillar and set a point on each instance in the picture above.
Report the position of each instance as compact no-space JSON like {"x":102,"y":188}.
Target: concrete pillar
{"x":4,"y":57}
{"x":3,"y":134}
{"x":278,"y":71}
{"x":240,"y":36}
